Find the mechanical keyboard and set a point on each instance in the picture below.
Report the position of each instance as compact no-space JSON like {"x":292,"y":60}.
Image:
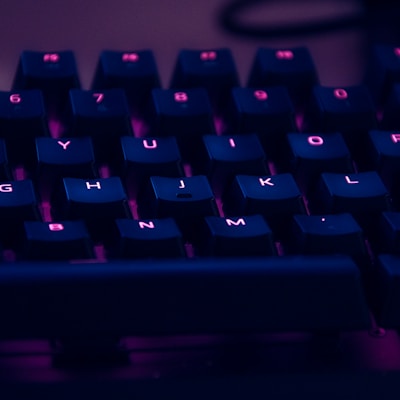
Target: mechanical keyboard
{"x":157,"y":232}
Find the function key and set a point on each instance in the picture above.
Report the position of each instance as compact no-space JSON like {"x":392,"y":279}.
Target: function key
{"x":383,"y":71}
{"x":237,"y":236}
{"x":212,"y":69}
{"x":269,"y":112}
{"x":57,"y":240}
{"x":152,"y":238}
{"x":54,"y":73}
{"x":103,"y":115}
{"x":185,"y":114}
{"x":134,"y":71}
{"x":290,"y":67}
{"x":22,"y":119}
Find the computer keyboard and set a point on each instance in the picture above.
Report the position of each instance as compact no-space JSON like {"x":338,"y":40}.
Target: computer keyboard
{"x":202,"y":216}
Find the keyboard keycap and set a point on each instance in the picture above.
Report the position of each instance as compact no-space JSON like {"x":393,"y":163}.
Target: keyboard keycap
{"x":290,"y":67}
{"x":103,"y":115}
{"x":57,"y":240}
{"x":96,"y":201}
{"x":314,"y":154}
{"x":265,"y":294}
{"x":154,"y":238}
{"x":134,"y":71}
{"x":328,"y":234}
{"x":185,"y":114}
{"x":22,"y":118}
{"x":54,"y":73}
{"x":238,"y":237}
{"x":268,"y":112}
{"x":152,"y":156}
{"x":383,"y":72}
{"x":227,"y":156}
{"x":185,"y":199}
{"x":64,"y":157}
{"x":348,"y":110}
{"x":275,"y":197}
{"x":363,"y":195}
{"x":213,"y":70}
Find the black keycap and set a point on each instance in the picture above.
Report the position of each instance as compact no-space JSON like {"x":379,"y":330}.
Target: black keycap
{"x":276,"y":197}
{"x":64,"y":157}
{"x":293,"y":68}
{"x":387,"y":291}
{"x":328,"y":234}
{"x":237,"y":237}
{"x":363,"y":195}
{"x":254,"y":294}
{"x":184,"y":114}
{"x":227,"y":156}
{"x":348,"y":110}
{"x":97,"y":201}
{"x":383,"y":71}
{"x":213,"y":70}
{"x":134,"y":71}
{"x":391,"y":118}
{"x":155,"y":238}
{"x":268,"y":112}
{"x":57,"y":240}
{"x":385,"y":158}
{"x":143,"y":158}
{"x":22,"y":118}
{"x":5,"y":173}
{"x":103,"y":115}
{"x":314,"y":154}
{"x":54,"y":73}
{"x":18,"y":203}
{"x":387,"y":238}
{"x":186,"y":199}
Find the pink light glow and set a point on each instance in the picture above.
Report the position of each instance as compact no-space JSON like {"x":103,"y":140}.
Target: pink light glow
{"x":130,"y":57}
{"x":340,"y":94}
{"x":19,"y":173}
{"x":15,"y":98}
{"x":208,"y":55}
{"x":299,"y":121}
{"x":284,"y":55}
{"x":56,"y":128}
{"x":181,"y":97}
{"x":260,"y":95}
{"x":51,"y":57}
{"x":219,"y":125}
{"x":139,"y":127}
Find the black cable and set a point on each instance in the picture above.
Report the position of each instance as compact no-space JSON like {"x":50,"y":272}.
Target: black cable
{"x":230,"y":19}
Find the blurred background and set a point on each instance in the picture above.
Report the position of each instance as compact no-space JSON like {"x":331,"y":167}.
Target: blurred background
{"x":87,"y":27}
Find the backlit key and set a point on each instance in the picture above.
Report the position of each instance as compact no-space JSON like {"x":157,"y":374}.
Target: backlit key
{"x":103,"y":115}
{"x":57,"y":240}
{"x":153,"y":238}
{"x":186,"y":114}
{"x":134,"y":71}
{"x":238,"y":236}
{"x":54,"y":73}
{"x":212,"y":69}
{"x":290,"y":67}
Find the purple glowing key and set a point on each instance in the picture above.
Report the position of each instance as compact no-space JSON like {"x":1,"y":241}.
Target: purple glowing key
{"x":290,"y":67}
{"x":152,"y":238}
{"x":213,"y":70}
{"x":56,"y":240}
{"x":54,"y":73}
{"x":237,"y":237}
{"x":133,"y":71}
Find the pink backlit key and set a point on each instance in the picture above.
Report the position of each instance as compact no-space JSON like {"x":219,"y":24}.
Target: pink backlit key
{"x":212,"y":69}
{"x":133,"y":71}
{"x":53,"y":72}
